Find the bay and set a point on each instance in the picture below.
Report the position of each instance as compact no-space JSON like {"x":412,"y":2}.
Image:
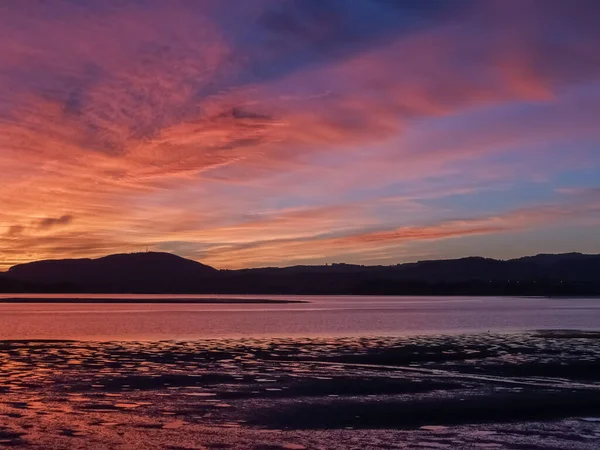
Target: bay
{"x":321,"y":316}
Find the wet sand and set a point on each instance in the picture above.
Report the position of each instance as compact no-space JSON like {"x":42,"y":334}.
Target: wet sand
{"x":517,"y":391}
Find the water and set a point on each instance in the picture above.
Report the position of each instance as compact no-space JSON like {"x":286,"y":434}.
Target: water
{"x":322,"y":316}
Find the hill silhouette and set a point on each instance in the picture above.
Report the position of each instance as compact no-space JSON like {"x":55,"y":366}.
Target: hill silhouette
{"x":154,"y":272}
{"x":132,"y":272}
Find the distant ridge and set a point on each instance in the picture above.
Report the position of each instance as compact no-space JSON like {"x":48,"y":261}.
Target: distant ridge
{"x":146,"y":272}
{"x":155,"y":272}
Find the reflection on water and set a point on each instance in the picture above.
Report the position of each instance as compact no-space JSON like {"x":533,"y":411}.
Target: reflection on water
{"x":322,"y":316}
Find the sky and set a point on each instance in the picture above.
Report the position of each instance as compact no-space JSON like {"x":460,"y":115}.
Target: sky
{"x":282,"y":132}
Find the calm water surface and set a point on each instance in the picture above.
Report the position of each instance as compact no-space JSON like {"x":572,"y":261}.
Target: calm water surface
{"x":323,"y":316}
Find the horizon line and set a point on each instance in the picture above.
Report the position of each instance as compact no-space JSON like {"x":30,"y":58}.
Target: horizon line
{"x":300,"y":265}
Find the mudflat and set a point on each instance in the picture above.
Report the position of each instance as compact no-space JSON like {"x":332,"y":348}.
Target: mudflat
{"x":517,"y":391}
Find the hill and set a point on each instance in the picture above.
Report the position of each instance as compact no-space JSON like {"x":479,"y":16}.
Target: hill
{"x":566,"y":274}
{"x":133,"y":272}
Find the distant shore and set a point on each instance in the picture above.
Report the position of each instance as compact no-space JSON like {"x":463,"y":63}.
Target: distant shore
{"x":571,"y":275}
{"x":165,"y":300}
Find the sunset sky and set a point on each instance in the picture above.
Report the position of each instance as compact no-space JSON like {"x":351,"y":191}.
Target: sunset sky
{"x":280,"y":132}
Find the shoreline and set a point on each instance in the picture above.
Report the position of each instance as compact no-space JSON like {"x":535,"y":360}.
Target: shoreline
{"x":125,"y":300}
{"x":53,"y":295}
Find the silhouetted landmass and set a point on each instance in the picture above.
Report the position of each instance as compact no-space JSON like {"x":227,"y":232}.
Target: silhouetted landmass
{"x":135,"y":272}
{"x":543,"y":275}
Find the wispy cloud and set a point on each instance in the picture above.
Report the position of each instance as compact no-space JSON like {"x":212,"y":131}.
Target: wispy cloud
{"x":398,"y":243}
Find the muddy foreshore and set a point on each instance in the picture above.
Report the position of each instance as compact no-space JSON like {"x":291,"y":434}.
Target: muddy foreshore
{"x":518,"y":391}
